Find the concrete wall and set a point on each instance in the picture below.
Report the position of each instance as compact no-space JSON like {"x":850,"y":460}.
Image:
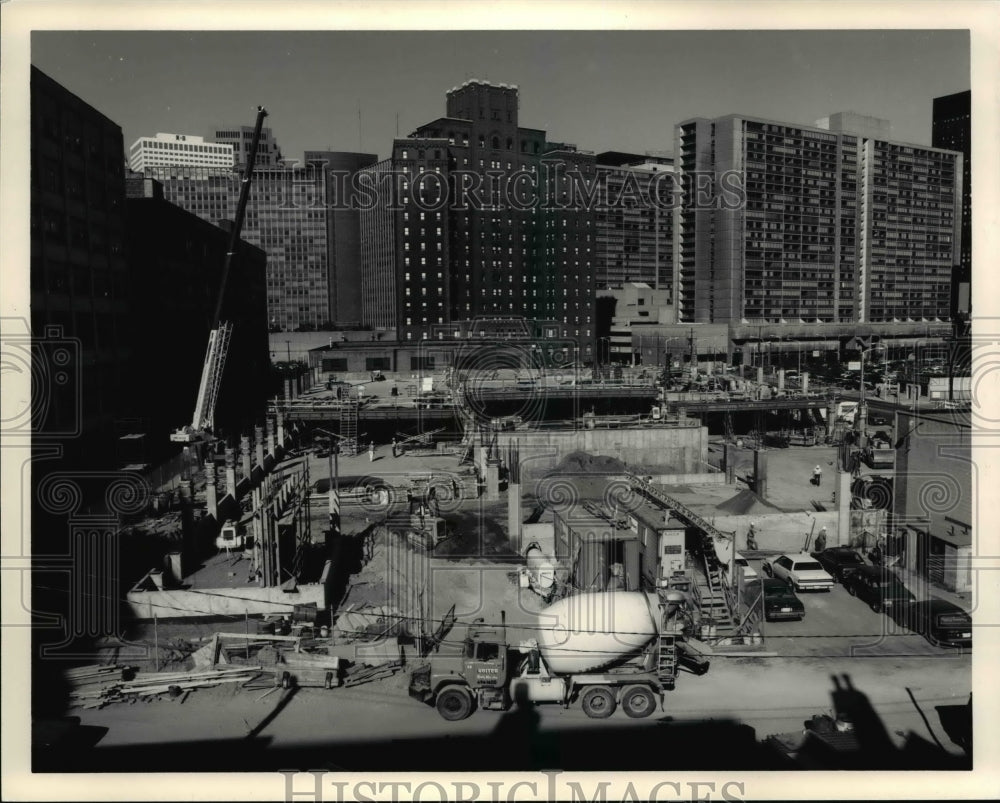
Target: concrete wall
{"x":172,"y":604}
{"x":685,"y":449}
{"x":783,"y":532}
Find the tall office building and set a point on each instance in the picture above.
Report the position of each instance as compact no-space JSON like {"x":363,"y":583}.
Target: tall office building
{"x":79,"y":276}
{"x":312,"y":243}
{"x":784,"y":222}
{"x":952,"y":129}
{"x":378,"y":252}
{"x":178,"y":150}
{"x":463,"y":249}
{"x":239,"y":138}
{"x":343,"y":232}
{"x":634,"y":234}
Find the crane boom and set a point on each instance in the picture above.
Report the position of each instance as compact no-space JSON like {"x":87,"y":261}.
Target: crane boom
{"x":218,"y":337}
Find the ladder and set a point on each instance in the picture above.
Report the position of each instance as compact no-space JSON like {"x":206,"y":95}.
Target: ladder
{"x":349,"y":427}
{"x":666,"y":659}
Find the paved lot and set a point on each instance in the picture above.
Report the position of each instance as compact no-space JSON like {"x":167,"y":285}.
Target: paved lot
{"x":839,"y":625}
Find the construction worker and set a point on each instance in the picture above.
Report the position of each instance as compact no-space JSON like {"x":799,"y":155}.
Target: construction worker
{"x":394,"y":448}
{"x":817,"y":475}
{"x":821,"y":540}
{"x":371,"y":452}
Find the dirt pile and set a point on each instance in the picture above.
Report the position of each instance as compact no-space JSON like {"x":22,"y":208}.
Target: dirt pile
{"x":584,"y":463}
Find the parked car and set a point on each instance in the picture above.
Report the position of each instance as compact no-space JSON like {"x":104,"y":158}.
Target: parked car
{"x":749,"y":572}
{"x":780,"y":601}
{"x":801,"y":571}
{"x":942,"y":623}
{"x":879,"y":587}
{"x":839,"y":561}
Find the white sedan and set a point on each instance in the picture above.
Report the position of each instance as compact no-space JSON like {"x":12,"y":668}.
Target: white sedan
{"x":801,"y":571}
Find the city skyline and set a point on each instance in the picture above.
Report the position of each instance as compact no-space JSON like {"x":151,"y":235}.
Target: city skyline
{"x":154,"y":81}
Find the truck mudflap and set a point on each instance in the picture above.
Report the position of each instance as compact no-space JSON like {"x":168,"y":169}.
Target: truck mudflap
{"x":420,"y":685}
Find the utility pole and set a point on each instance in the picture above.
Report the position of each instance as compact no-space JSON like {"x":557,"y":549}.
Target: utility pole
{"x":694,"y":359}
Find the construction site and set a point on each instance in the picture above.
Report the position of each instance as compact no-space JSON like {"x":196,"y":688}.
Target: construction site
{"x":397,"y":558}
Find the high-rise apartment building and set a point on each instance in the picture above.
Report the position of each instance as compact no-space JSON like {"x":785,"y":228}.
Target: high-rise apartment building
{"x":484,"y":222}
{"x":781,"y":222}
{"x":634,"y":221}
{"x":952,"y":129}
{"x":239,"y":138}
{"x":178,"y":150}
{"x":312,"y":242}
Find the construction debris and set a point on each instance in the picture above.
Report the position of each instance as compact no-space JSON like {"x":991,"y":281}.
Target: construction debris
{"x":156,"y":683}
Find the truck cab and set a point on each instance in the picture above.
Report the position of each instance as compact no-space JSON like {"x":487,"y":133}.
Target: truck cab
{"x":456,"y":683}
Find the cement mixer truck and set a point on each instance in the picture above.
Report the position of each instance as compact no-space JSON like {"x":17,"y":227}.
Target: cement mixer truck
{"x":603,"y":650}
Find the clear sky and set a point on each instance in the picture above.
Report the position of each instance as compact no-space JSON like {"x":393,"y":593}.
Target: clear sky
{"x":616,"y":90}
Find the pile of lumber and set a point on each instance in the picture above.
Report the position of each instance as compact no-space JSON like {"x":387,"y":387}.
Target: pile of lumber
{"x":96,"y":673}
{"x":362,"y":673}
{"x":150,"y":686}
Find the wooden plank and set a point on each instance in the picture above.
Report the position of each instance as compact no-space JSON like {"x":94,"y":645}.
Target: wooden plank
{"x":259,"y":637}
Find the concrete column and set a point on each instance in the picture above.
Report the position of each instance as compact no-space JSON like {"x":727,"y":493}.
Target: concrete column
{"x":258,"y":442}
{"x":211,"y":498}
{"x":174,"y":566}
{"x":281,"y":430}
{"x":760,"y":473}
{"x":231,"y":472}
{"x":843,"y":508}
{"x":269,"y":426}
{"x":187,"y":518}
{"x":781,"y":379}
{"x":514,"y":517}
{"x":245,"y":455}
{"x":805,"y":381}
{"x":729,"y":463}
{"x":831,"y":419}
{"x":288,"y":389}
{"x":492,"y":480}
{"x":760,"y":374}
{"x":293,"y":384}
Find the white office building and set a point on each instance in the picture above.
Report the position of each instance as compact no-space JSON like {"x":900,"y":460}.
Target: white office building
{"x":179,"y":150}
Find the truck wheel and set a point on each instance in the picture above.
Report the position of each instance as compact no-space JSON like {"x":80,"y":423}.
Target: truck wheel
{"x":638,"y":702}
{"x":454,"y":704}
{"x":598,"y":702}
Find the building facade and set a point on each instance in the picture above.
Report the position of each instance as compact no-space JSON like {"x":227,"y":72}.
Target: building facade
{"x":634,"y":221}
{"x":633,"y":307}
{"x":178,"y":150}
{"x":343,"y":232}
{"x":239,"y":138}
{"x":935,"y":520}
{"x":952,"y":129}
{"x":80,"y":293}
{"x":175,"y":265}
{"x":477,"y":226}
{"x":312,"y":240}
{"x":784,"y":222}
